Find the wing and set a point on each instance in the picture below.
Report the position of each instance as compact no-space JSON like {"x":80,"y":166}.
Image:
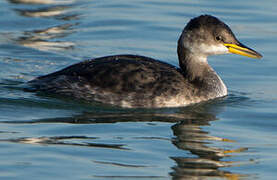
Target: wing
{"x":115,"y":80}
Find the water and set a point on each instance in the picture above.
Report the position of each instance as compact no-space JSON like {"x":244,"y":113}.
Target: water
{"x":44,"y":137}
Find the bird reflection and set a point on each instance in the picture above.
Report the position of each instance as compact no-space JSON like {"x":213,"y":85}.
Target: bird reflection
{"x":207,"y":163}
{"x":205,"y":159}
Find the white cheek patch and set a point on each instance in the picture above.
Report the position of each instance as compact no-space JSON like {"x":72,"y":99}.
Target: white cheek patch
{"x":213,"y":49}
{"x":206,"y":49}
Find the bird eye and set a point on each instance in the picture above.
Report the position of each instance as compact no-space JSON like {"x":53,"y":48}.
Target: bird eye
{"x":219,"y":38}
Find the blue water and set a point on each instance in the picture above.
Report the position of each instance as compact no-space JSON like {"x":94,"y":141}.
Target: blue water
{"x":44,"y":137}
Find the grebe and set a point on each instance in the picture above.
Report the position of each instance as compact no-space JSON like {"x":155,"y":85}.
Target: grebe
{"x":137,"y":81}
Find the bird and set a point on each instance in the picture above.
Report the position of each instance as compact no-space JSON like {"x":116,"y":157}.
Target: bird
{"x":134,"y":81}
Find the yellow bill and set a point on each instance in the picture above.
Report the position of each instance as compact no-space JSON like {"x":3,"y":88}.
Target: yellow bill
{"x":243,"y":50}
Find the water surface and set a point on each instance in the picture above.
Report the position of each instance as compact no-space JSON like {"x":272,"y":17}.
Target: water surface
{"x":45,"y":137}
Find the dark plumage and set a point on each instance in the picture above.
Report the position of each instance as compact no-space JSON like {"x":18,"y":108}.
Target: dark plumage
{"x":138,"y":81}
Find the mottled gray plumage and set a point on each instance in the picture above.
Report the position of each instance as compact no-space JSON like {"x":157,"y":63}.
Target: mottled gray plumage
{"x":138,"y":81}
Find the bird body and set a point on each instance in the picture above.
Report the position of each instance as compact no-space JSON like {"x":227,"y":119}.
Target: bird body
{"x":138,"y":81}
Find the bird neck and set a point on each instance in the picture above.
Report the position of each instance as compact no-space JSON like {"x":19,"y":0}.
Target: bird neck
{"x":199,"y":73}
{"x":194,"y":66}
